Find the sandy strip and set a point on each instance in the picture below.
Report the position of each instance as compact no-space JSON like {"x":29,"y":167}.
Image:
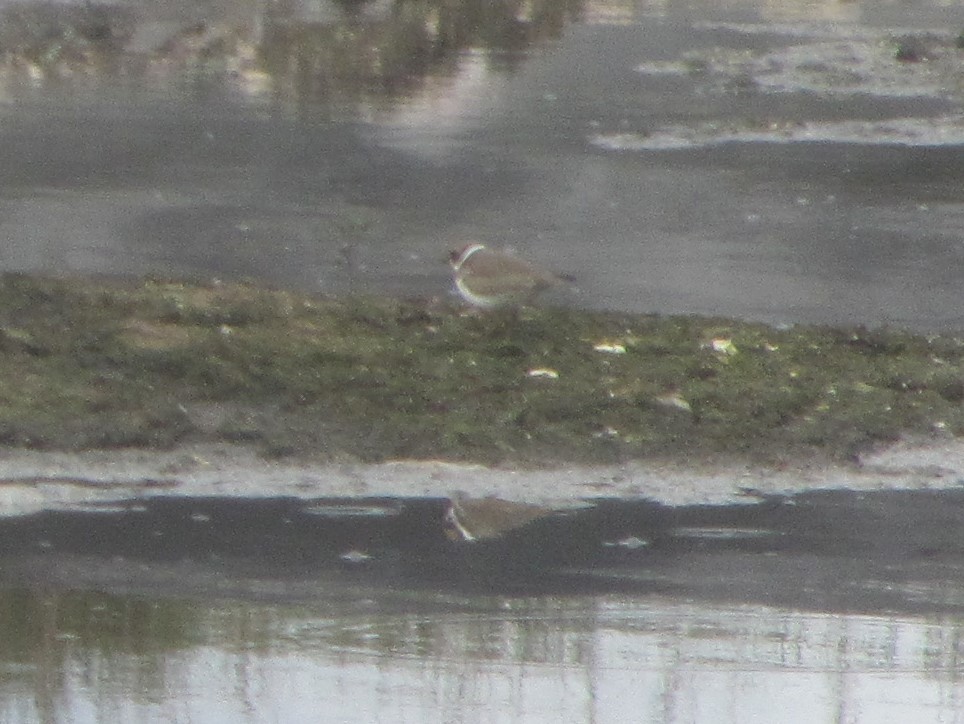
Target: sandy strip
{"x":31,"y":481}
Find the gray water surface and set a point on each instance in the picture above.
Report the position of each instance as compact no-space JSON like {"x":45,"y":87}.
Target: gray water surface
{"x":825,"y":606}
{"x":774,"y":161}
{"x":771,"y":161}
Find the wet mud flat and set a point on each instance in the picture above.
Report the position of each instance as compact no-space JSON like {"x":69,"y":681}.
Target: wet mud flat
{"x":155,"y":364}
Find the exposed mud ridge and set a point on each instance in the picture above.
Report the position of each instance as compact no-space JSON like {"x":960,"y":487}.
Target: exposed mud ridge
{"x":158,"y":364}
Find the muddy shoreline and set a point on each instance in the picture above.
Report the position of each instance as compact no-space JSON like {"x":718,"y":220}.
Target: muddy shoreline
{"x":165,"y":387}
{"x":32,"y":481}
{"x":881,"y":538}
{"x":98,"y":365}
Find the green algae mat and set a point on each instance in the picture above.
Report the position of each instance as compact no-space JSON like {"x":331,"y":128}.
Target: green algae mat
{"x":102,"y":364}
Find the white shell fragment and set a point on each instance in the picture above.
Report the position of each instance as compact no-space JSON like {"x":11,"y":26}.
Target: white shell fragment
{"x":610,"y":348}
{"x":544,"y":372}
{"x":722,"y":345}
{"x":672,"y":399}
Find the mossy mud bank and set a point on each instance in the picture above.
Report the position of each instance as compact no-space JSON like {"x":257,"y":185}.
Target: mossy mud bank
{"x":92,"y":364}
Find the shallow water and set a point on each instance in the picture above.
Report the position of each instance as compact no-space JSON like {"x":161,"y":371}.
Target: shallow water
{"x":828,"y":605}
{"x":602,"y":660}
{"x":773,"y":161}
{"x":766,"y":160}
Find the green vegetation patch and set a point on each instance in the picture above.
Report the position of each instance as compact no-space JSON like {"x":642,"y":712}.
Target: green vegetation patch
{"x":97,"y":364}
